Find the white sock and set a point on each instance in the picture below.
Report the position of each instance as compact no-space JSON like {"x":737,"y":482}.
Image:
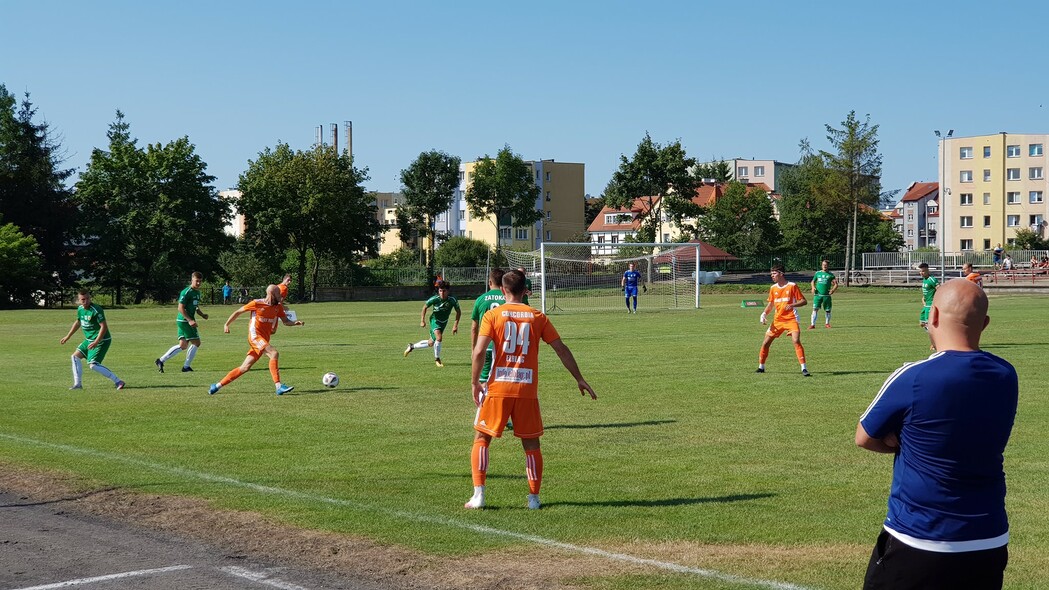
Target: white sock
{"x":104,"y":372}
{"x":803,"y":367}
{"x":436,"y":350}
{"x":170,"y":353}
{"x":78,"y":371}
{"x":761,"y":365}
{"x":815,"y":312}
{"x":828,"y":318}
{"x":191,"y":352}
{"x":421,"y":344}
{"x":478,"y":491}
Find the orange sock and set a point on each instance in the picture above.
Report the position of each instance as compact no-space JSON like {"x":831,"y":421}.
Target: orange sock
{"x":231,"y":376}
{"x":764,"y":354}
{"x":800,"y":351}
{"x":274,"y":370}
{"x":534,"y":470}
{"x":479,"y":461}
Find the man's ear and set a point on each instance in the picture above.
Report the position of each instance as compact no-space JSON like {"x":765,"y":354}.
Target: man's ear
{"x":934,"y":316}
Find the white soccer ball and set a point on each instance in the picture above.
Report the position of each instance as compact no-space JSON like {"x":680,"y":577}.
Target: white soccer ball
{"x":330,"y":380}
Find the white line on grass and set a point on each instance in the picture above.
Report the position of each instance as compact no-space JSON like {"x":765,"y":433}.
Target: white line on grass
{"x":260,"y":577}
{"x":448,"y":522}
{"x":82,"y":581}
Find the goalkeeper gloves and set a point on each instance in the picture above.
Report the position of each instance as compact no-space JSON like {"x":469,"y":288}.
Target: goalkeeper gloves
{"x":644,"y":288}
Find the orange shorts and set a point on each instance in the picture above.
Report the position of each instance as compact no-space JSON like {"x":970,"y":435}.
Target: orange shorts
{"x":778,"y":328}
{"x":258,"y":347}
{"x":494,"y":412}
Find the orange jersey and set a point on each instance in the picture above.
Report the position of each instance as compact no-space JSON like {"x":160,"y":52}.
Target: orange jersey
{"x":780,"y":298}
{"x":283,"y":291}
{"x":264,"y":319}
{"x":516,"y":330}
{"x":975,"y":277}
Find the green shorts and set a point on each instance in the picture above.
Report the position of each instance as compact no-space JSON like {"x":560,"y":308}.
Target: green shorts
{"x":187,"y":332}
{"x":435,"y":326}
{"x":924,"y":317}
{"x":488,"y":357}
{"x":96,"y":355}
{"x":821,"y":302}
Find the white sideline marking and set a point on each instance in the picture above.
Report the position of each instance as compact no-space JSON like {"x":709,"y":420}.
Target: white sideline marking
{"x":82,"y":581}
{"x":260,"y":577}
{"x":486,"y":530}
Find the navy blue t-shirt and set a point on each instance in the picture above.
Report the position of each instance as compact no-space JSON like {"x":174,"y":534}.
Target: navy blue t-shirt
{"x":632,"y":277}
{"x":953,"y":414}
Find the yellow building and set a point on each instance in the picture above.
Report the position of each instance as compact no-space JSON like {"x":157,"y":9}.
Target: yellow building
{"x":561,"y":198}
{"x":993,"y":186}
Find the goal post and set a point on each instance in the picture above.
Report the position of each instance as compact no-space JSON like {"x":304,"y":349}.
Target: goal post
{"x":584,"y":276}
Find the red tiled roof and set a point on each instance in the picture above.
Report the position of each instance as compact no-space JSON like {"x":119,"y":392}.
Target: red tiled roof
{"x":920,"y":190}
{"x":637,"y":209}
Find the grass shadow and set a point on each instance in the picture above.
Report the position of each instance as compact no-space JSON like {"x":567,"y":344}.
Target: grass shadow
{"x":667,"y":501}
{"x":610,"y":425}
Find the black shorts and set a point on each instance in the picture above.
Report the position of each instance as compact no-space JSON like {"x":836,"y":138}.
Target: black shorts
{"x":898,"y":566}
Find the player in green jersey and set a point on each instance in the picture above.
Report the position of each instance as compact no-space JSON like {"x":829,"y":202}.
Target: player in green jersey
{"x":188,"y":337}
{"x":92,"y":320}
{"x":929,"y":285}
{"x":442,"y":304}
{"x":528,"y":285}
{"x":491,"y":299}
{"x":824,"y":284}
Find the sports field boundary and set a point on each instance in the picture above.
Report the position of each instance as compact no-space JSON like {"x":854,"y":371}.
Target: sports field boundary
{"x":411,"y":516}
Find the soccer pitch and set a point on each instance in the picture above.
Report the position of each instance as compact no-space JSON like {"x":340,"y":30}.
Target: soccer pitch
{"x":717,"y":476}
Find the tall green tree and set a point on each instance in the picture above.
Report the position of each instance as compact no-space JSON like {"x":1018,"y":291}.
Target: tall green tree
{"x":460,"y":251}
{"x":33,"y":194}
{"x":659,"y":175}
{"x":305,"y":201}
{"x":21,"y":271}
{"x":504,"y":191}
{"x":719,"y":171}
{"x":429,"y":185}
{"x":742,"y":222}
{"x":150,"y":216}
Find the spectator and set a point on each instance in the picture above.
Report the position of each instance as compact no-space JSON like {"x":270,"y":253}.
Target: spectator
{"x":227,"y":294}
{"x":998,"y":256}
{"x":1007,"y":263}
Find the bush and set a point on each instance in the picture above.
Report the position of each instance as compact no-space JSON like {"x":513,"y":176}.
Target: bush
{"x":462,"y":252}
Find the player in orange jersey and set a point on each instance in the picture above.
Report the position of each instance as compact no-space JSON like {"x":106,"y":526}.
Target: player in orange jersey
{"x":968,"y":273}
{"x":784,"y":299}
{"x":264,"y":316}
{"x":512,"y":387}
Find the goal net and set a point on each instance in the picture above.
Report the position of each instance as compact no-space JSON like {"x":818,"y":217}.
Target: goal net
{"x":574,"y":277}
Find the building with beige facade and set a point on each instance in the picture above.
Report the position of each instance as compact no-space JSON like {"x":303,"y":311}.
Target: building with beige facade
{"x":235,"y":227}
{"x":992,"y":185}
{"x":386,"y":212}
{"x":562,"y":197}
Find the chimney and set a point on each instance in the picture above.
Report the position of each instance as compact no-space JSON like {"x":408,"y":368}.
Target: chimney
{"x":335,"y":137}
{"x":348,"y":125}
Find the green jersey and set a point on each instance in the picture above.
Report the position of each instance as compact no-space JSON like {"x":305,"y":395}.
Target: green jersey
{"x":442,"y":308}
{"x":489,"y":300}
{"x":190,"y":299}
{"x":528,"y":289}
{"x":824,"y":282}
{"x":929,"y":285}
{"x":91,"y":321}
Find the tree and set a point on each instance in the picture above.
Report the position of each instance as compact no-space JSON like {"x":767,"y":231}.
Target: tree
{"x":741,"y":222}
{"x":503,"y":190}
{"x":309,"y":201}
{"x":429,"y":189}
{"x":33,"y":195}
{"x":21,"y":272}
{"x":592,"y":207}
{"x":150,"y":216}
{"x":464,"y":252}
{"x":659,"y":174}
{"x":1028,"y":239}
{"x":719,"y":171}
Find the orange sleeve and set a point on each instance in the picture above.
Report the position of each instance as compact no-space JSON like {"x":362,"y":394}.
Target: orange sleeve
{"x":283,"y":290}
{"x":549,"y":332}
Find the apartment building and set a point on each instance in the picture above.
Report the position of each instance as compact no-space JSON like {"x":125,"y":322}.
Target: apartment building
{"x":917,"y":216}
{"x":386,"y":212}
{"x":766,"y":172}
{"x":992,"y":186}
{"x":561,"y":198}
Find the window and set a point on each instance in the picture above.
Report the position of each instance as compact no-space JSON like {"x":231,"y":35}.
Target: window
{"x":965,"y":244}
{"x":987,"y":198}
{"x":966,"y":199}
{"x":910,"y":233}
{"x":1036,"y":221}
{"x":1010,"y":242}
{"x":910,"y":217}
{"x":504,"y":232}
{"x":462,"y":233}
{"x":759,"y":171}
{"x":987,"y":151}
{"x":966,"y":153}
{"x":537,"y":173}
{"x":547,"y":235}
{"x":462,"y":176}
{"x":967,"y":221}
{"x":932,"y":227}
{"x":1012,"y":198}
{"x":615,"y":239}
{"x":1035,"y":197}
{"x":1035,"y":149}
{"x":600,"y":239}
{"x":987,"y":244}
{"x":741,"y":172}
{"x":1012,"y":220}
{"x":1012,"y":174}
{"x":986,"y":175}
{"x":548,"y":215}
{"x":987,"y":221}
{"x":899,"y":228}
{"x":1034,"y":173}
{"x":666,"y":238}
{"x":1012,"y":151}
{"x":548,"y":177}
{"x":547,"y":195}
{"x":967,"y":176}
{"x":522,"y":233}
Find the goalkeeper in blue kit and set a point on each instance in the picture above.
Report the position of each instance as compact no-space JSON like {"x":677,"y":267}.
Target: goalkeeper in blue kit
{"x":631,"y":279}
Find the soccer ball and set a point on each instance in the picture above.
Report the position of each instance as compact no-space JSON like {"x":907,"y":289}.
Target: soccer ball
{"x":330,"y":380}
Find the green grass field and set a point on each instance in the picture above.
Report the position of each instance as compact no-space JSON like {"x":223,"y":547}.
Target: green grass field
{"x":687,"y":457}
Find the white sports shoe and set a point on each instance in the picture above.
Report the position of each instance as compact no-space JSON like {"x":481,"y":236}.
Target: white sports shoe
{"x":476,"y":502}
{"x":533,"y":502}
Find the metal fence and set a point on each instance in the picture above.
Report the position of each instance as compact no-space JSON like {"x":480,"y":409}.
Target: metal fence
{"x":979,"y":260}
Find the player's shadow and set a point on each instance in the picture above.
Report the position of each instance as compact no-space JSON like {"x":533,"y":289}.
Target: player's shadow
{"x":337,"y":390}
{"x":834,"y":373}
{"x":610,"y":425}
{"x":1010,"y":344}
{"x":667,"y":501}
{"x":136,"y":386}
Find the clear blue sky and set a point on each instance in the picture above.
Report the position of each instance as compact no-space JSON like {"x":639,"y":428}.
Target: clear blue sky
{"x":572,"y":81}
